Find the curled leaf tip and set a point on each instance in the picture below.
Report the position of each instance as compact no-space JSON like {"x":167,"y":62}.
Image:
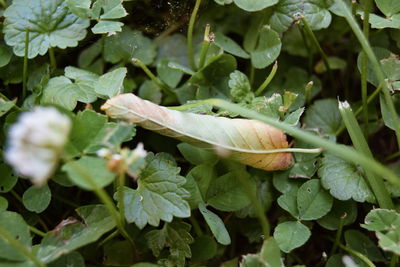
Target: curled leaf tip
{"x":247,"y":141}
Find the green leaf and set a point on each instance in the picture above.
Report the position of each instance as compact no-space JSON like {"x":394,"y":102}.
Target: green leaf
{"x":240,"y":87}
{"x":313,"y":201}
{"x":117,"y":254}
{"x":50,"y":23}
{"x":37,"y":199}
{"x":197,"y":183}
{"x":270,"y":253}
{"x":176,"y":237}
{"x":86,"y":126}
{"x":81,"y":8}
{"x":216,"y":225}
{"x":112,"y":9}
{"x":15,"y":225}
{"x":128,"y":44}
{"x":72,"y":234}
{"x":111,"y":83}
{"x":229,"y":45}
{"x":107,"y":26}
{"x":150,"y":91}
{"x":315,"y":12}
{"x":83,"y":170}
{"x":291,"y":235}
{"x":363,"y":244}
{"x":170,"y":76}
{"x":3,"y":204}
{"x":61,"y":91}
{"x":203,"y":248}
{"x":288,"y":202}
{"x":388,"y":7}
{"x":68,"y":260}
{"x":173,"y":48}
{"x":196,"y":155}
{"x":227,"y":194}
{"x":335,"y":261}
{"x":386,"y":224}
{"x":268,"y":48}
{"x":254,"y":5}
{"x":344,"y":180}
{"x":6,"y":106}
{"x":8,"y":179}
{"x":85,"y":82}
{"x":5,"y":55}
{"x":159,"y":196}
{"x":324,"y":115}
{"x":345,"y":209}
{"x":386,"y":115}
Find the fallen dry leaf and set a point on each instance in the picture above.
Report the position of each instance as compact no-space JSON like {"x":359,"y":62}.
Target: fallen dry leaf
{"x":247,"y":141}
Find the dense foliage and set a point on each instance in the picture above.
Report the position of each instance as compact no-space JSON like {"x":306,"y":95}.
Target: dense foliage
{"x":269,"y":136}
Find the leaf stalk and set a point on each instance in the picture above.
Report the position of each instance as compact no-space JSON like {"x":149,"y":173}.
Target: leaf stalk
{"x":190,"y":34}
{"x":267,"y":81}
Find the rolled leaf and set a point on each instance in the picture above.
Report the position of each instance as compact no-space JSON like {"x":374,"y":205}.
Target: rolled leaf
{"x":249,"y":142}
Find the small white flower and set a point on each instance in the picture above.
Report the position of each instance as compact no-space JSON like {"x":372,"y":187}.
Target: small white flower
{"x":35,"y":142}
{"x":139,"y":151}
{"x":103,"y":153}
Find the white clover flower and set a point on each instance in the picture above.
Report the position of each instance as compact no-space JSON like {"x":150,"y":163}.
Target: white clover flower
{"x":35,"y":142}
{"x":139,"y":151}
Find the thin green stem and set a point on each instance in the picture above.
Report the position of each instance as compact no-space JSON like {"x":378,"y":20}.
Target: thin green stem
{"x":36,"y":231}
{"x":342,"y":151}
{"x":109,"y":237}
{"x":190,"y":34}
{"x":271,"y":75}
{"x":338,"y":234}
{"x":25,"y":67}
{"x":157,"y":81}
{"x":319,"y":48}
{"x":121,"y":184}
{"x":394,"y":260}
{"x":310,"y":54}
{"x":358,"y":139}
{"x":20,"y":247}
{"x":102,"y":195}
{"x":53,"y":61}
{"x":375,"y":65}
{"x":196,"y":225}
{"x":364,"y":66}
{"x":307,"y":90}
{"x":358,"y":255}
{"x":208,"y":39}
{"x":392,"y":156}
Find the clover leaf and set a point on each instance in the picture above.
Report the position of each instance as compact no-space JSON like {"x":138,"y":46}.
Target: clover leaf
{"x":50,"y":24}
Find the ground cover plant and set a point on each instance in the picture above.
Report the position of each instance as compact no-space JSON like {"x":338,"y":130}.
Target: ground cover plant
{"x":200,"y":133}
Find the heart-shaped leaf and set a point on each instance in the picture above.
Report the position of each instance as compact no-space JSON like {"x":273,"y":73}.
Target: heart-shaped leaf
{"x":248,"y":141}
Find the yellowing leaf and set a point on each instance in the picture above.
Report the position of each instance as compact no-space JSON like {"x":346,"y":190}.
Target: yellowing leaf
{"x":248,"y":141}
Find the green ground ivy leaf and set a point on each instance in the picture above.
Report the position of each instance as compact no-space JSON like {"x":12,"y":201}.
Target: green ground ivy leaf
{"x":50,"y":23}
{"x":291,"y":235}
{"x":111,"y":83}
{"x":268,"y":48}
{"x":229,"y":45}
{"x":174,"y":236}
{"x":216,"y":225}
{"x":313,"y":201}
{"x":386,"y":224}
{"x":323,"y":115}
{"x":6,"y":106}
{"x":81,"y":170}
{"x":314,"y":11}
{"x":15,"y":225}
{"x":71,"y":233}
{"x":37,"y":199}
{"x":254,"y":5}
{"x":344,"y":180}
{"x":159,"y":196}
{"x":127,"y":44}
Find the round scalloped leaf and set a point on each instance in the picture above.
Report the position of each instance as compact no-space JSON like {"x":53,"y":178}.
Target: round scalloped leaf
{"x":50,"y":24}
{"x":254,"y":5}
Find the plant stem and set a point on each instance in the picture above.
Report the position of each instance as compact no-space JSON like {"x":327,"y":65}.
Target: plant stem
{"x":364,"y":67}
{"x":341,"y":151}
{"x":375,"y":181}
{"x":392,"y":156}
{"x":102,"y":195}
{"x":375,"y":65}
{"x":53,"y":61}
{"x":36,"y":231}
{"x":121,"y":184}
{"x":307,"y":90}
{"x":25,"y":67}
{"x":190,"y":34}
{"x":319,"y":48}
{"x":271,"y":75}
{"x":208,"y":38}
{"x":20,"y":247}
{"x":394,"y":260}
{"x":358,"y":255}
{"x":338,"y":234}
{"x":154,"y":79}
{"x":109,"y":237}
{"x":196,"y":226}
